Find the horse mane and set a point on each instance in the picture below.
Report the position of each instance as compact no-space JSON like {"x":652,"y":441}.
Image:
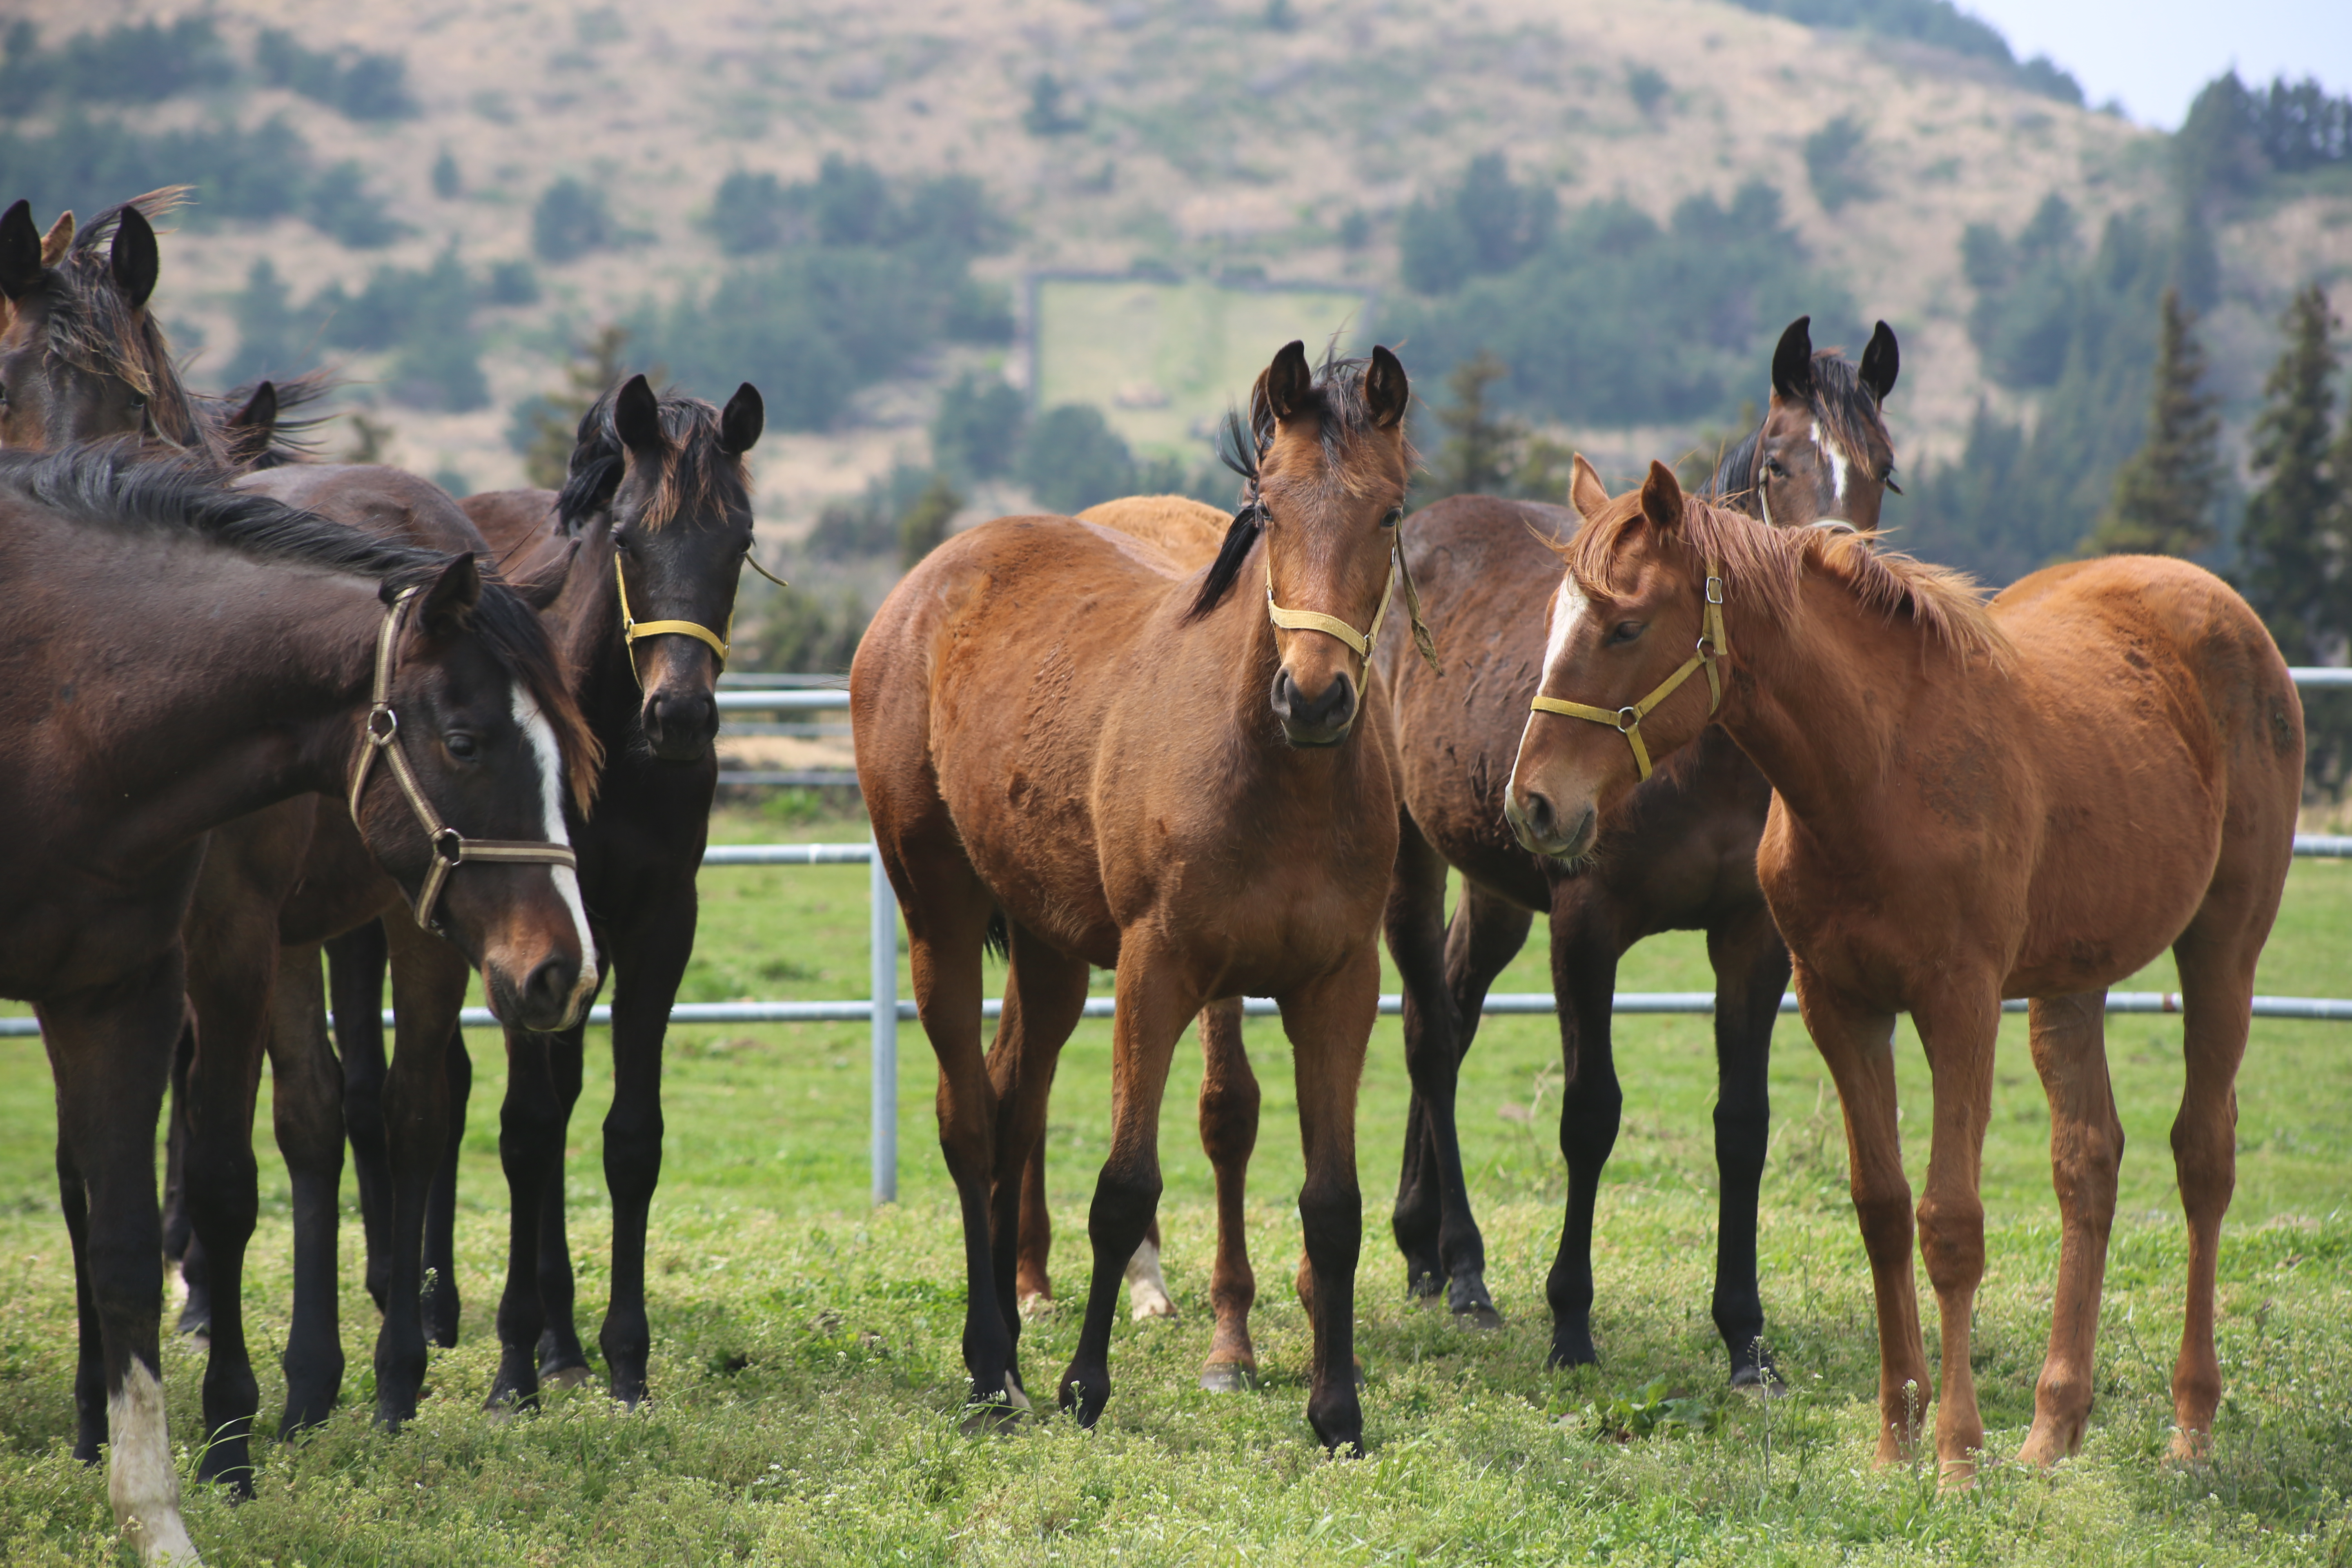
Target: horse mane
{"x":116,"y":484}
{"x":91,"y":327}
{"x":1763,"y":566}
{"x":698,"y":474}
{"x":1842,"y":405}
{"x":1335,"y":400}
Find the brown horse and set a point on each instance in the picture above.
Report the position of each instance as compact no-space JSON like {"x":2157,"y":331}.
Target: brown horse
{"x":1680,"y":856}
{"x":1062,"y":734}
{"x":134,"y":727}
{"x":2032,"y":798}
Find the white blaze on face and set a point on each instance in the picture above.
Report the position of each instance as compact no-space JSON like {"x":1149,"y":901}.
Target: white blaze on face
{"x":541,"y":736}
{"x":1568,"y":606}
{"x":1829,"y":450}
{"x":141,"y":1481}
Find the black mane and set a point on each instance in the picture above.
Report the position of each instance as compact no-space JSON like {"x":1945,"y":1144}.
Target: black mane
{"x":1843,"y":405}
{"x":698,"y":474}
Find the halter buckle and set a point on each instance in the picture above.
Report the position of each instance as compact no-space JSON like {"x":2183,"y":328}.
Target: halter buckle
{"x":1715,"y":590}
{"x":381,"y":735}
{"x":1628,"y":721}
{"x":1706,"y":647}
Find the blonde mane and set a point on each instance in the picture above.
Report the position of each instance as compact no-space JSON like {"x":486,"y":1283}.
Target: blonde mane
{"x":1763,"y":566}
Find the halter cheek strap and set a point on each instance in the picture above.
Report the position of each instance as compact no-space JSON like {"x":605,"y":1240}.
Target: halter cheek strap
{"x":1627,"y":721}
{"x":632,"y":629}
{"x":1360,"y":642}
{"x":450,"y":847}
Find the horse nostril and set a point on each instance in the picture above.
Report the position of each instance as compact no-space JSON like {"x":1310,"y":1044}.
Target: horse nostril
{"x":547,"y":990}
{"x":1536,"y":812}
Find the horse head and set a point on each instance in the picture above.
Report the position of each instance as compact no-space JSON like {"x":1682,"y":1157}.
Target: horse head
{"x":1326,"y":461}
{"x":81,"y":356}
{"x":470,"y":746}
{"x":1821,"y":454}
{"x":663,"y":477}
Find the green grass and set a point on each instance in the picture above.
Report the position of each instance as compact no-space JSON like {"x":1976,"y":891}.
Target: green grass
{"x":807,"y":1373}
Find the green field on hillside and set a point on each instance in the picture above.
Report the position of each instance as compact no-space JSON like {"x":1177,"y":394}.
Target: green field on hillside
{"x":806,"y":1368}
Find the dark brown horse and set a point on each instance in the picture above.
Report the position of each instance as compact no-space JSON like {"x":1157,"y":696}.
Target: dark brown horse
{"x":657,"y":506}
{"x":2030,"y":799}
{"x":1063,"y":735}
{"x":1680,"y":856}
{"x":134,"y":726}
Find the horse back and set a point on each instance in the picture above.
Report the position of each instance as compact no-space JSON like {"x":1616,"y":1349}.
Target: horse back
{"x":373,"y":498}
{"x":1190,"y":532}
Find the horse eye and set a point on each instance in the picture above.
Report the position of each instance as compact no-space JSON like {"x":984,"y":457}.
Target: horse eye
{"x":461,"y":745}
{"x":1772,"y":467}
{"x":137,"y":403}
{"x":1627,"y":631}
{"x":1395,"y":516}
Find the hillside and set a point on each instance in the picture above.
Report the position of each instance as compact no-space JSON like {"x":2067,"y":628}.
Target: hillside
{"x":1201,"y":139}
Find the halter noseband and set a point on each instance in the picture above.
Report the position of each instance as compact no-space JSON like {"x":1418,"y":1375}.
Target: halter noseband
{"x":1359,"y":643}
{"x":450,"y":847}
{"x":632,"y":628}
{"x":1627,"y":721}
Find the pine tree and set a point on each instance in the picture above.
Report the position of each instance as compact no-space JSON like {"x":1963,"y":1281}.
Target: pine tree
{"x":1476,"y":455}
{"x":2290,"y":568}
{"x":595,"y":366}
{"x":2164,"y":493}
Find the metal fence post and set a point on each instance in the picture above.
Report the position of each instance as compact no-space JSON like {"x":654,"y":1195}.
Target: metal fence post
{"x":883,"y":934}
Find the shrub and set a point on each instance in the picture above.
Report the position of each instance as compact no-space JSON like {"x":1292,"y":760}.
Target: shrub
{"x":371,"y":87}
{"x":448,"y":182}
{"x":511,"y":283}
{"x":570,"y":221}
{"x":343,"y":208}
{"x":977,"y":427}
{"x":1484,"y":226}
{"x":274,"y":341}
{"x":87,"y":163}
{"x":1073,"y":460}
{"x":1836,"y":165}
{"x":127,"y":63}
{"x":923,"y":527}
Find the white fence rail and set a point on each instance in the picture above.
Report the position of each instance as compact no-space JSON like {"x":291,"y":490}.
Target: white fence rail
{"x":883,"y":1012}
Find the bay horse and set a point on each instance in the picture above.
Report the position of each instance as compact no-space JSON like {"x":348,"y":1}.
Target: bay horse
{"x":1680,"y":856}
{"x":134,"y":727}
{"x":645,"y":543}
{"x":1064,"y":735}
{"x":2029,"y":798}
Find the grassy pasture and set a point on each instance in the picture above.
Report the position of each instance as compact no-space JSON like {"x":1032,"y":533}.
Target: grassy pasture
{"x":807,"y":1366}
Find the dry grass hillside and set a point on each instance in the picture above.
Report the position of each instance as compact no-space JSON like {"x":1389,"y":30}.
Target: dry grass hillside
{"x":1206,"y":141}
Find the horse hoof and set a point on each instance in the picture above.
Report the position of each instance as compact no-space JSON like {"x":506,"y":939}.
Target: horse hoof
{"x":992,"y":1419}
{"x":1757,"y":1384}
{"x":1481,"y":1318}
{"x":563,"y":1376}
{"x":1228,"y":1377}
{"x":1038,"y":1305}
{"x":1425,"y":1292}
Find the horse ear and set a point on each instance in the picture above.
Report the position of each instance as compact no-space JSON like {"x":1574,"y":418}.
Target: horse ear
{"x":741,"y":421}
{"x":448,"y":604}
{"x":1662,"y":497}
{"x":136,"y":261}
{"x":1586,"y":493}
{"x":20,"y":251}
{"x":59,"y":240}
{"x":1880,"y":363}
{"x":1286,"y":381}
{"x":1386,"y":390}
{"x":261,"y":410}
{"x":636,"y":416}
{"x":1792,"y":363}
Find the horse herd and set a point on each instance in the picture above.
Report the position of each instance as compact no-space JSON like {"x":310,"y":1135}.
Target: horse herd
{"x":263,"y":706}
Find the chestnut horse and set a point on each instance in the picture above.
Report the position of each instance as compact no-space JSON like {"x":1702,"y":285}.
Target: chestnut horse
{"x":135,"y":727}
{"x":1680,"y":856}
{"x":1063,"y":735}
{"x":2032,"y":798}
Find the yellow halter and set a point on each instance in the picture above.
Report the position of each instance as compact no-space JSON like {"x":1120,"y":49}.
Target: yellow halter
{"x":632,"y":629}
{"x":1628,"y":719}
{"x":1362,"y":643}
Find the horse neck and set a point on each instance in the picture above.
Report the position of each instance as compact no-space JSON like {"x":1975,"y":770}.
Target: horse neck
{"x":1828,"y":695}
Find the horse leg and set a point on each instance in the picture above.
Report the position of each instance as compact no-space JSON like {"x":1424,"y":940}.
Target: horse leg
{"x":1584,"y":955}
{"x":442,"y":1305}
{"x":112,"y":1054}
{"x":561,"y":1360}
{"x":1857,"y":1046}
{"x":355,"y":967}
{"x":1330,"y":1022}
{"x":1044,"y":996}
{"x":306,"y":1091}
{"x":1151,"y":1009}
{"x":1958,"y":1030}
{"x":1229,"y":1107}
{"x":180,"y":1243}
{"x":1032,"y":1282}
{"x":1752,"y":972}
{"x":429,"y":982}
{"x":2216,"y":956}
{"x":649,"y":956}
{"x":89,"y":1364}
{"x":2086,"y":1148}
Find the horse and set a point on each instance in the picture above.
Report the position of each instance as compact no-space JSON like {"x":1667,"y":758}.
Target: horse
{"x":1680,"y":856}
{"x":649,"y":534}
{"x":134,"y":727}
{"x":1229,"y":834}
{"x":2031,"y":799}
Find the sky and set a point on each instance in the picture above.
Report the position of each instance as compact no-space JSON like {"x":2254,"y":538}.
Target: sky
{"x":2153,"y":54}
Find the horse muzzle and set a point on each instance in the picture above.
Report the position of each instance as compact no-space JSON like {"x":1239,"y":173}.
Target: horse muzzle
{"x":551,"y":994}
{"x":680,"y":723}
{"x":1544,"y":828}
{"x":1324,"y":720}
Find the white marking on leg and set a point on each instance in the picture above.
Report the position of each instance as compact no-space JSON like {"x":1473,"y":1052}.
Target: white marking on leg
{"x":1146,"y":1287}
{"x":141,"y":1481}
{"x":1829,"y":450}
{"x":541,"y":735}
